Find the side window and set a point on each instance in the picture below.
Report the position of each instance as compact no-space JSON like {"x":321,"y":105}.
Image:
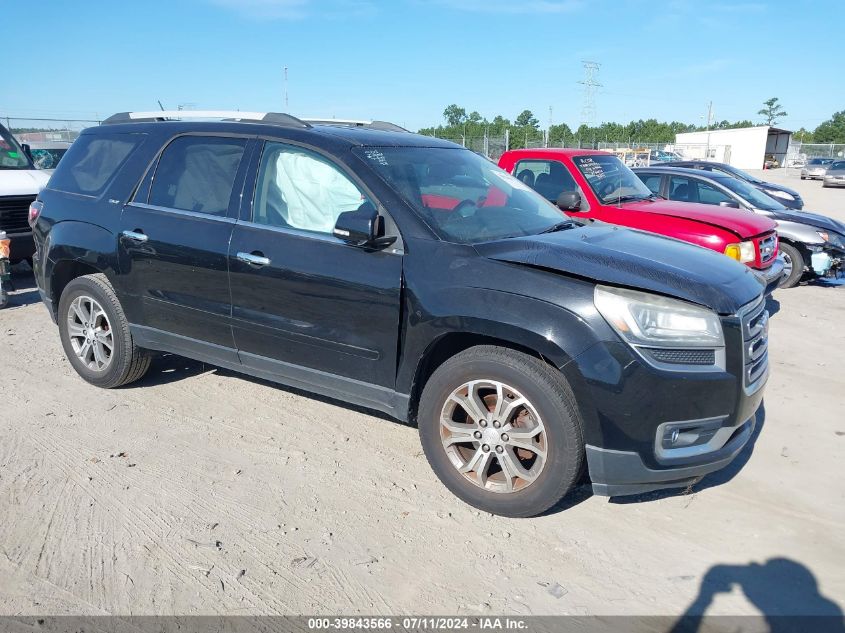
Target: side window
{"x":652,"y":181}
{"x":680,"y":189}
{"x":197,"y":173}
{"x":708,"y":194}
{"x":301,"y":190}
{"x":89,"y":165}
{"x":548,"y":177}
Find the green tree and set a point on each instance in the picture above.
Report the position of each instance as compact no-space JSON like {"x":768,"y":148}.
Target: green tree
{"x":773,"y":111}
{"x":832,"y":130}
{"x":474,"y":117}
{"x":526,"y":118}
{"x":454,"y":115}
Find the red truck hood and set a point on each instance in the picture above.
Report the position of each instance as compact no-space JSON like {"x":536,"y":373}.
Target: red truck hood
{"x":744,"y":223}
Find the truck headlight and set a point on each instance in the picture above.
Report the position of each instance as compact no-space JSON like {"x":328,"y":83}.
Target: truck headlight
{"x":741,"y":252}
{"x":644,"y":319}
{"x":779,"y":194}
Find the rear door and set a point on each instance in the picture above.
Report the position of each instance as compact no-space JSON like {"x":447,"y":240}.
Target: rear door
{"x":174,"y":241}
{"x":305,"y":304}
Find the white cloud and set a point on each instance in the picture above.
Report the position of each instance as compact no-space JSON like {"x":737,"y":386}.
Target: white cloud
{"x":513,"y":6}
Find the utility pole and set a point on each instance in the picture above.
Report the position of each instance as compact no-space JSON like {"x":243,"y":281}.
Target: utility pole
{"x":709,"y":123}
{"x":590,"y":83}
{"x":286,"y":88}
{"x":549,"y":130}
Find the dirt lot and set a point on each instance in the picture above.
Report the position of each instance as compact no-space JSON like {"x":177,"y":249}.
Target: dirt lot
{"x":199,"y":491}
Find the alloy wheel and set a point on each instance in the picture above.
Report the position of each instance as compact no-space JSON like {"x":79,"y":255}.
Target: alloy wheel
{"x":90,"y":333}
{"x":493,"y":436}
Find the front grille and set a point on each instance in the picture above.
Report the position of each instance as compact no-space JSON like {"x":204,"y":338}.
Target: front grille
{"x":767,"y":248}
{"x":755,"y":342}
{"x":14,"y":213}
{"x":683,"y":356}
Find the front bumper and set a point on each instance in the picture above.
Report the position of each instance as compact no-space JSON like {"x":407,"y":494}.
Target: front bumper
{"x":834,"y":181}
{"x":771,"y":277}
{"x":657,"y":429}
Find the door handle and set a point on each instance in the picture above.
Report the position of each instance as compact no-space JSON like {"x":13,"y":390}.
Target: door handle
{"x":254,"y":259}
{"x":135,"y":236}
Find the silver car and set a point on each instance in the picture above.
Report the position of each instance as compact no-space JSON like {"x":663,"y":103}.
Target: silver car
{"x":835,"y":174}
{"x":815,"y":168}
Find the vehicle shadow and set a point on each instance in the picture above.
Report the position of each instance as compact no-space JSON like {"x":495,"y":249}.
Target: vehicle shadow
{"x":784,"y":591}
{"x":25,"y":291}
{"x":772,"y":305}
{"x":717,"y":478}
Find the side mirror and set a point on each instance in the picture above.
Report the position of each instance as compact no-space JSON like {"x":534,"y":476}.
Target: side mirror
{"x":733,"y":204}
{"x":362,"y":227}
{"x":569,"y":201}
{"x":27,"y":150}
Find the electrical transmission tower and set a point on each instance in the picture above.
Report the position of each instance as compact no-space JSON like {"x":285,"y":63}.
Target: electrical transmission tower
{"x":588,"y":112}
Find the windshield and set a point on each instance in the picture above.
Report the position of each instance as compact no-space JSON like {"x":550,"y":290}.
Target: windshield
{"x":462,"y":196}
{"x":11,"y":154}
{"x":610,"y":179}
{"x":757,"y":198}
{"x":47,"y":158}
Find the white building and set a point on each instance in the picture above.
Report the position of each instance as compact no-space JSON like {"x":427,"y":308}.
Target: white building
{"x":745,"y":147}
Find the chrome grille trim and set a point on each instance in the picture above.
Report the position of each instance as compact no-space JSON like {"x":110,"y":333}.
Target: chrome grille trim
{"x":767,"y":248}
{"x":754,"y":319}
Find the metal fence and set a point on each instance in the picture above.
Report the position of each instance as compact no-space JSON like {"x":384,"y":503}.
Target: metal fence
{"x":40,"y":130}
{"x":821,"y":150}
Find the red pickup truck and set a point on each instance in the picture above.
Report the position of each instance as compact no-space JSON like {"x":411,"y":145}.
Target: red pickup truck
{"x":596,"y":185}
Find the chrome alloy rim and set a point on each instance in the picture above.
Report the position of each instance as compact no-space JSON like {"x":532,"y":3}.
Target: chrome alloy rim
{"x":787,"y":265}
{"x":493,"y":436}
{"x":90,"y":333}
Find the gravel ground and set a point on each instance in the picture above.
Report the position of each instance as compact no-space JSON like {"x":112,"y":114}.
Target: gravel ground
{"x":199,"y":491}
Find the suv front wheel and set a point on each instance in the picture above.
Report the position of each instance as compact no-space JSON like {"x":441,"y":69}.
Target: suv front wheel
{"x":501,"y":430}
{"x":95,"y":334}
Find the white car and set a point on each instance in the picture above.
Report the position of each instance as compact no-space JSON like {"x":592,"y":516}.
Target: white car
{"x":20,"y":182}
{"x":815,"y":168}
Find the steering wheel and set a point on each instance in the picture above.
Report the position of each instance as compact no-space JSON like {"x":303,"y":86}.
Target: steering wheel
{"x":462,"y":208}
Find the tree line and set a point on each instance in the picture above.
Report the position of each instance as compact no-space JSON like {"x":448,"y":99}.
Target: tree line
{"x":525,"y":128}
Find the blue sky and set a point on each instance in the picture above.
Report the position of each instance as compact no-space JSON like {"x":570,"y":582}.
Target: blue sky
{"x":405,"y":60}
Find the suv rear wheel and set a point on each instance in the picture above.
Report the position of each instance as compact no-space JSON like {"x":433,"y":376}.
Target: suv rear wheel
{"x":95,"y":334}
{"x":501,"y":430}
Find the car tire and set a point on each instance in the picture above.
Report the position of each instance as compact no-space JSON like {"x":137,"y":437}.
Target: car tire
{"x":803,"y":178}
{"x":90,"y":319}
{"x":545,"y":467}
{"x":792,"y":257}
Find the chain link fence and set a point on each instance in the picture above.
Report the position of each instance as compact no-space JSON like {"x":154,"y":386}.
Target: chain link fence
{"x":40,"y":130}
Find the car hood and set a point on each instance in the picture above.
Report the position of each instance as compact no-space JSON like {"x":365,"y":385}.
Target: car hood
{"x":635,"y":259}
{"x":22,"y":182}
{"x":738,"y":221}
{"x":812,"y":219}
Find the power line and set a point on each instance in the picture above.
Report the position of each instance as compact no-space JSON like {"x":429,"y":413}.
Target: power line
{"x":588,"y":112}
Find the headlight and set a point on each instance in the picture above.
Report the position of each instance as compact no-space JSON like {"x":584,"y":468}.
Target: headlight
{"x":742,"y":252}
{"x":834,"y":238}
{"x":824,"y":235}
{"x":650,"y":320}
{"x":779,"y":194}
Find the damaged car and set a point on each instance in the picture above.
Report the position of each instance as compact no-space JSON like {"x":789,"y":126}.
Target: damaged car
{"x":408,"y":275}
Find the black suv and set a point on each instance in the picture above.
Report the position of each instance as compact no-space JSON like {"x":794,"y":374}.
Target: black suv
{"x":412,"y":276}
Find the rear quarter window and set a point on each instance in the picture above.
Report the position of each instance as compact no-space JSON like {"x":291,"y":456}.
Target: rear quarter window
{"x":92,"y":162}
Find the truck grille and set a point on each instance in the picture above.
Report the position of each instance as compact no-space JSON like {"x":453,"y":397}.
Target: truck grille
{"x":768,"y":248}
{"x":14,"y":213}
{"x":755,"y":342}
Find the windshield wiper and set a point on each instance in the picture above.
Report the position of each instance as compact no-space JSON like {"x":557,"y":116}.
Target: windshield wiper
{"x":628,"y":198}
{"x":558,"y":226}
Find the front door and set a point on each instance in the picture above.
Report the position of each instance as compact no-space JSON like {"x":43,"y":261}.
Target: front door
{"x":174,"y":241}
{"x":306,"y":305}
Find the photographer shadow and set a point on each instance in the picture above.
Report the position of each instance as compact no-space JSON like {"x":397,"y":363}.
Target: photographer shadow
{"x":784,"y":591}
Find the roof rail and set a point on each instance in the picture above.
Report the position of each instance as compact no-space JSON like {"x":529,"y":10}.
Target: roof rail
{"x":373,"y":125}
{"x":272,"y":118}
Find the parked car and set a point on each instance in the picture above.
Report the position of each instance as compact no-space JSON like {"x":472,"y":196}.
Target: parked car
{"x":597,"y":186}
{"x":815,"y":168}
{"x":660,"y":156}
{"x":809,"y":242}
{"x":786,"y":196}
{"x":834,"y":176}
{"x":46,"y":155}
{"x":20,"y":181}
{"x":524,"y":345}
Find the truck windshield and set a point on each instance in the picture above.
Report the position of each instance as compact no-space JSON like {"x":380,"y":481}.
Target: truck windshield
{"x":11,"y":154}
{"x":610,"y":179}
{"x":462,"y":196}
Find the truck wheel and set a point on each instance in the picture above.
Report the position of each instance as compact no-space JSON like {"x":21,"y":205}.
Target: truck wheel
{"x":793,"y":268}
{"x":502,"y":431}
{"x":95,"y":334}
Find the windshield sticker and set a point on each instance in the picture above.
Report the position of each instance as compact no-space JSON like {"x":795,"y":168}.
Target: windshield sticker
{"x":516,"y":183}
{"x":591,"y":168}
{"x":376,"y":156}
